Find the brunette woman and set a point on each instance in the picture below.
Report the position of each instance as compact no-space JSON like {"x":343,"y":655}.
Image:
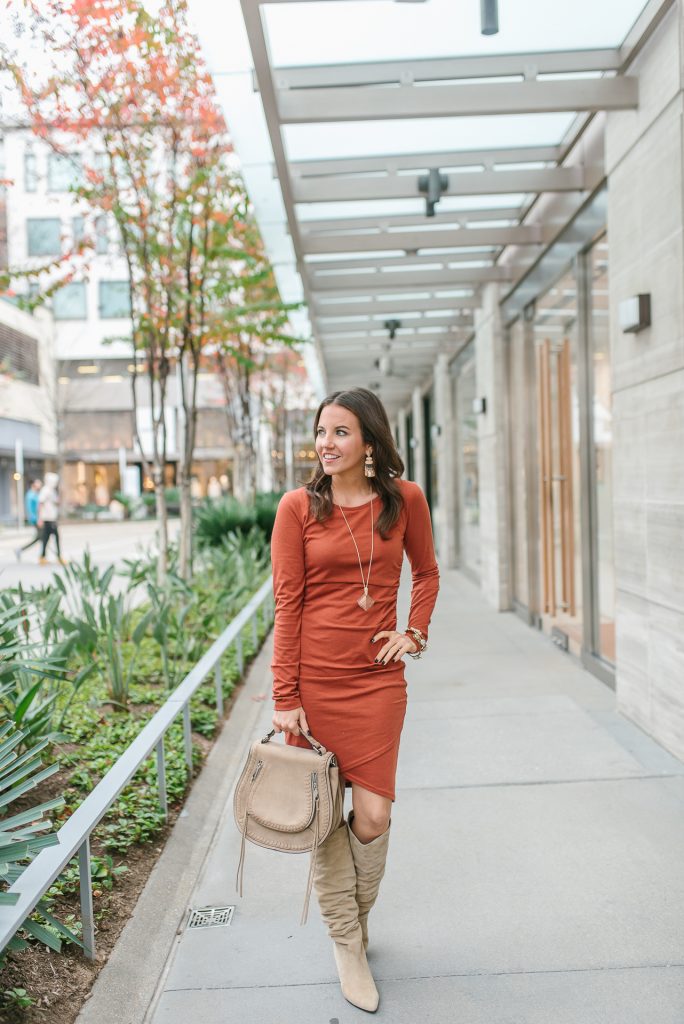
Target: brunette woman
{"x":337,"y":549}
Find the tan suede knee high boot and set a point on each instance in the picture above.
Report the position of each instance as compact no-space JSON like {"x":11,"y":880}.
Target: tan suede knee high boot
{"x":335,"y":885}
{"x":369,"y":863}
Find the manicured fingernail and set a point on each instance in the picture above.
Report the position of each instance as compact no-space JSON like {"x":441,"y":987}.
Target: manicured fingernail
{"x":375,"y":662}
{"x":372,"y":639}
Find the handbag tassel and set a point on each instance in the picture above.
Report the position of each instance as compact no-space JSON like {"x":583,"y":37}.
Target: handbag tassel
{"x":312,"y":868}
{"x":241,"y":862}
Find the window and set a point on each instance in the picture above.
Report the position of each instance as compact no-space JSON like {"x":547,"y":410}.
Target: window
{"x":69,"y":302}
{"x":64,"y":171}
{"x":114,"y":299}
{"x":18,"y":354}
{"x":43,"y":235}
{"x":78,"y":228}
{"x":101,"y":235}
{"x":30,"y":171}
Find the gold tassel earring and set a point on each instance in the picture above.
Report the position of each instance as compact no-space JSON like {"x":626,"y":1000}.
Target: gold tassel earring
{"x":368,"y":466}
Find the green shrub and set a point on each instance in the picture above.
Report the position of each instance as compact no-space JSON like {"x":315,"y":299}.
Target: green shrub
{"x":215,"y":520}
{"x":265,"y":510}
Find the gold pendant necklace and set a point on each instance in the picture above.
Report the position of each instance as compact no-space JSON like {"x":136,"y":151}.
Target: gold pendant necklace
{"x":365,"y":601}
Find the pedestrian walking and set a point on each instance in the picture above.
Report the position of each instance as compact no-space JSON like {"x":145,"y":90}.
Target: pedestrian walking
{"x":338,"y":672}
{"x":48,"y":515}
{"x":31,"y":512}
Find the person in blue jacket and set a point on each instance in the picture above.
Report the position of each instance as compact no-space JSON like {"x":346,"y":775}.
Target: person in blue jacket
{"x":31,"y":507}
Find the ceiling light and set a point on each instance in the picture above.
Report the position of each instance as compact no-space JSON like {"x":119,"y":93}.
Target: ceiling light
{"x":489,"y":16}
{"x":432,"y":185}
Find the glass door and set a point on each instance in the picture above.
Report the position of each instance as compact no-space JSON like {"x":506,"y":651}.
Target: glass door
{"x":560,"y":561}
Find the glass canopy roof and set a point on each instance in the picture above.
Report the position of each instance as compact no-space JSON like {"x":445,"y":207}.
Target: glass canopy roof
{"x":349,"y":31}
{"x":342,"y":109}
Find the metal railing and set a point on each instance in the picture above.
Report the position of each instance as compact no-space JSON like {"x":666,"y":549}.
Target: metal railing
{"x":74,"y":835}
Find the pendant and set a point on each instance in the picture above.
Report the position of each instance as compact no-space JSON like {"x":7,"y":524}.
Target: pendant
{"x":366,"y":601}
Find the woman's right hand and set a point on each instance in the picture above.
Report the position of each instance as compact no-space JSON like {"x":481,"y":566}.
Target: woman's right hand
{"x":293,"y":721}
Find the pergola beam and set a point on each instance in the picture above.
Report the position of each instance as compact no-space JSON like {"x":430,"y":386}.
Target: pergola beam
{"x":408,"y":220}
{"x":320,"y":269}
{"x":412,"y":241}
{"x":405,"y":72}
{"x":466,"y":183}
{"x":419,"y":161}
{"x":377,"y":343}
{"x":371,"y":103}
{"x":415,"y":281}
{"x":411,"y":325}
{"x":391,"y":307}
{"x":364,"y":284}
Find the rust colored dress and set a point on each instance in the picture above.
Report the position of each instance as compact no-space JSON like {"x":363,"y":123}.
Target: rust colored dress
{"x":323,"y":659}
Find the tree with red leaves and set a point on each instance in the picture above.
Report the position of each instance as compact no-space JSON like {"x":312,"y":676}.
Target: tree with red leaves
{"x":129,"y":92}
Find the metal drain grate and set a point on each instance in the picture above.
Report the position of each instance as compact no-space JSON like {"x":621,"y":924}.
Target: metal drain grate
{"x":210,"y":917}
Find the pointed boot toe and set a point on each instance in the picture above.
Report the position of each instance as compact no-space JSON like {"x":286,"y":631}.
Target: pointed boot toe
{"x":335,"y":885}
{"x":356,"y":980}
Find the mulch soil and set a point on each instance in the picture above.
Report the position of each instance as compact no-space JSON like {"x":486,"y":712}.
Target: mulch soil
{"x":60,"y":983}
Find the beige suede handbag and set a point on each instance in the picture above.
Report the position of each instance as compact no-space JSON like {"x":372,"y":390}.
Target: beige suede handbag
{"x":288,"y":798}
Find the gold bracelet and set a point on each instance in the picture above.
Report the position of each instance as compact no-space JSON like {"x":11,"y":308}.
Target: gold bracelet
{"x":417,"y":638}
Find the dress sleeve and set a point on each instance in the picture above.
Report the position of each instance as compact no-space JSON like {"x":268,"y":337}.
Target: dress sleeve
{"x":287,"y":560}
{"x":420,"y":549}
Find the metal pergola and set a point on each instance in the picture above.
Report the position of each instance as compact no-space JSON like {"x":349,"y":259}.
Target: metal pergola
{"x":365,"y":265}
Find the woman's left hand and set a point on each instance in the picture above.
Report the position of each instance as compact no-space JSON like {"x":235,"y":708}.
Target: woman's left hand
{"x":395,"y":647}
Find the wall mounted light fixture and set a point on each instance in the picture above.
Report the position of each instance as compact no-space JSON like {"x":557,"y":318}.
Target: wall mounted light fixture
{"x":635,"y":314}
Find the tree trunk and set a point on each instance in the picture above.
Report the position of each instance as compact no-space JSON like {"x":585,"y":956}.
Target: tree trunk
{"x":185,"y":546}
{"x":162,"y":524}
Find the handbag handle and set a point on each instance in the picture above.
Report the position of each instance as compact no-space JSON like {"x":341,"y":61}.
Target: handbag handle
{"x":318,"y":747}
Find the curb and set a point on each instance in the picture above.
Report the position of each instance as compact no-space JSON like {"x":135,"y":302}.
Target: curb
{"x":125,"y":990}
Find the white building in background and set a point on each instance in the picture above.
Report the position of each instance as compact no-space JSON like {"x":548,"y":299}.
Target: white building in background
{"x":93,"y":354}
{"x":92,"y":342}
{"x":28,"y":440}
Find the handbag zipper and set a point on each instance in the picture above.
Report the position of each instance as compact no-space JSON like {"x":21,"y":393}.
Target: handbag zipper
{"x":256,"y":771}
{"x":314,"y":785}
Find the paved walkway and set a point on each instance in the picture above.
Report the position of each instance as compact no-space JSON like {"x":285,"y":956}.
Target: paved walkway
{"x":109,"y":542}
{"x":535,"y":874}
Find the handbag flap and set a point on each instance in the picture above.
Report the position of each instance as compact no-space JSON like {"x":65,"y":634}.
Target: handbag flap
{"x":281,"y":797}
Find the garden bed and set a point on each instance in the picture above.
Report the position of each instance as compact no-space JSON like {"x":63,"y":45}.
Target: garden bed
{"x":163,"y":640}
{"x":61,"y":983}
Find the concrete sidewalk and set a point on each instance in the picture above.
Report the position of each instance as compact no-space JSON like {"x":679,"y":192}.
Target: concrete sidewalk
{"x":108,"y":543}
{"x":535,"y":873}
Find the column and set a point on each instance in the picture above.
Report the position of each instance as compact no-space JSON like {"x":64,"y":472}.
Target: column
{"x":490,"y":369}
{"x":418,"y":437}
{"x":444,"y":514}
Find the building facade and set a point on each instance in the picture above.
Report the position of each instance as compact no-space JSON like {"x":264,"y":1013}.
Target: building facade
{"x":28,"y":429}
{"x":557,"y":435}
{"x":92,"y":345}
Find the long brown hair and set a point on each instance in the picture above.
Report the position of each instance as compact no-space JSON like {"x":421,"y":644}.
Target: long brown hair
{"x":376,"y":431}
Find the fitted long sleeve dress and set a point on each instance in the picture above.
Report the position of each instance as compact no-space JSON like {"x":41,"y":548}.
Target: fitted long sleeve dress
{"x":323,"y":658}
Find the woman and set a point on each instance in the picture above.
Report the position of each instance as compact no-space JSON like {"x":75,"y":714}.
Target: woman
{"x":337,"y":550}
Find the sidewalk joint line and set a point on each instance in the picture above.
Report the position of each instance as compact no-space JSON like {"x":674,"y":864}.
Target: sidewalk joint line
{"x":541,"y":782}
{"x":430,"y":977}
